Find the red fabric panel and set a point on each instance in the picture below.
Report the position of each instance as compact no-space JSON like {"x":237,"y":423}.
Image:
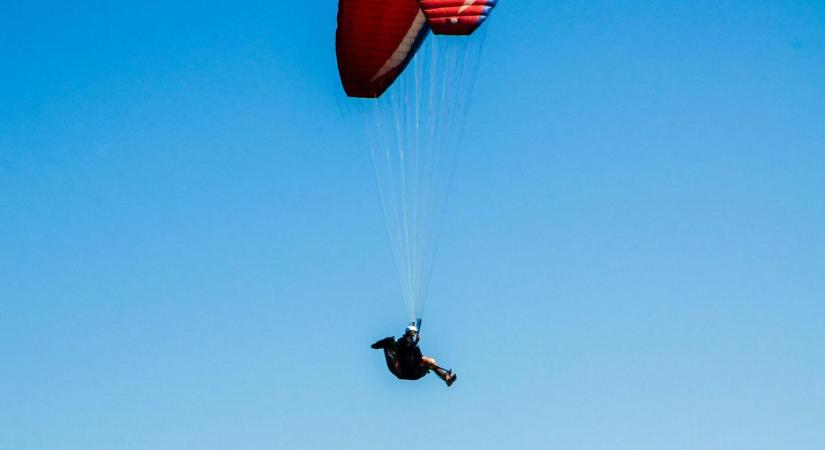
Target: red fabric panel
{"x":456,"y":16}
{"x":369,"y":34}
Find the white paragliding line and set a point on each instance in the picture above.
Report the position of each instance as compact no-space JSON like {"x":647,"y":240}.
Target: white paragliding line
{"x":414,"y":132}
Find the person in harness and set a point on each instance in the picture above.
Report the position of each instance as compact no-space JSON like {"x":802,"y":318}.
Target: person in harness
{"x":404,"y":358}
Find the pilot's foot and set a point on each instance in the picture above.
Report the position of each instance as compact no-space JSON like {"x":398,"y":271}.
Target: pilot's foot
{"x":383,"y":343}
{"x":451,"y":377}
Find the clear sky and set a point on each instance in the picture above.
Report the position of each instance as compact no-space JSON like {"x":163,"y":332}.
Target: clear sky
{"x":192,"y":254}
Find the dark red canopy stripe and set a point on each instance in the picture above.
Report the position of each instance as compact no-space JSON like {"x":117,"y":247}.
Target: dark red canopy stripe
{"x":375,"y":41}
{"x":456,"y":16}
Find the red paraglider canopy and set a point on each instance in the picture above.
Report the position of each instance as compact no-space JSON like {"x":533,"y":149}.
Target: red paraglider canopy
{"x":456,"y":16}
{"x":375,"y":41}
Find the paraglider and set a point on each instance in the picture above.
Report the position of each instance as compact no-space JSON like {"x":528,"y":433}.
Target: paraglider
{"x":405,"y":360}
{"x":408,"y":68}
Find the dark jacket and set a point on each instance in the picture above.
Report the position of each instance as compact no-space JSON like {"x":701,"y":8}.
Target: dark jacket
{"x":404,"y":359}
{"x":410,"y":359}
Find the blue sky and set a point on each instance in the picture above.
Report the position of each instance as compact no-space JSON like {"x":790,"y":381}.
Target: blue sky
{"x":192,"y":253}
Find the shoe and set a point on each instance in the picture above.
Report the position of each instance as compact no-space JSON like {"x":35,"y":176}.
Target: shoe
{"x":383,"y":343}
{"x":451,"y":377}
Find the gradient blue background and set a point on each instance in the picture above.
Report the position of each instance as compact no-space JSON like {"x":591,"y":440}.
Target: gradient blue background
{"x":192,"y":254}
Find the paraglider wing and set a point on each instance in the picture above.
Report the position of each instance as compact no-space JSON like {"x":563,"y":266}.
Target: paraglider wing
{"x":456,"y":17}
{"x":375,"y":41}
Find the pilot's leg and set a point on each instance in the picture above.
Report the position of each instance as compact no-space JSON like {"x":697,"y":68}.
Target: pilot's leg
{"x":447,"y":375}
{"x":392,"y":361}
{"x":384,"y":343}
